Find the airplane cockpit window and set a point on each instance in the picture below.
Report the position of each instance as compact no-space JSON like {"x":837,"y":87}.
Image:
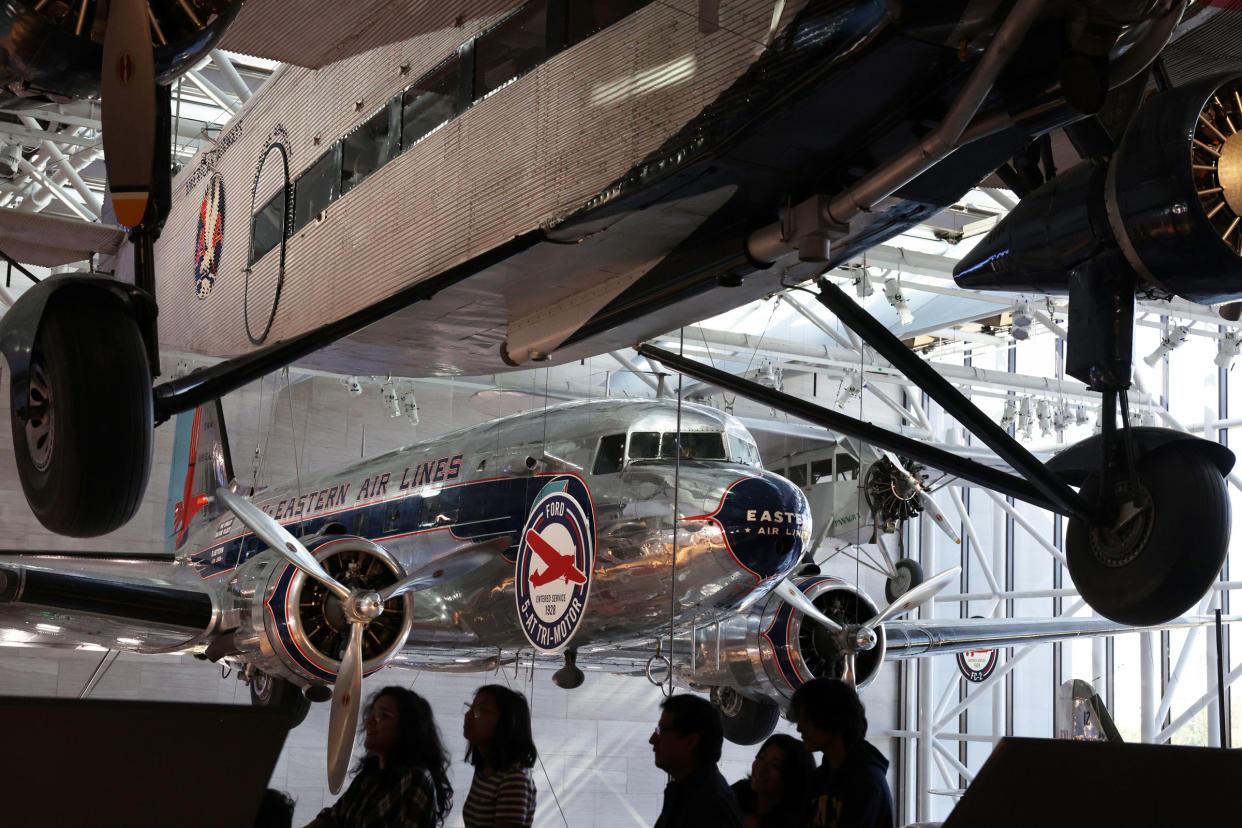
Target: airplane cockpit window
{"x":316,"y":188}
{"x":368,"y":148}
{"x":430,"y":102}
{"x":611,"y":454}
{"x":267,"y":226}
{"x":744,"y":451}
{"x":517,"y":44}
{"x":693,"y":445}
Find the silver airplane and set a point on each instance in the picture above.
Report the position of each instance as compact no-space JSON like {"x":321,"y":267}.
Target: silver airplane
{"x":562,"y":532}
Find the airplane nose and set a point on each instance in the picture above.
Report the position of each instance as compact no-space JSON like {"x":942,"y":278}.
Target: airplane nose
{"x":767,"y":523}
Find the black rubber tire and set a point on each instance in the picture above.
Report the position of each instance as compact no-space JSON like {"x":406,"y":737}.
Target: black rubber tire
{"x":282,"y":695}
{"x":83,"y":452}
{"x":909,"y":575}
{"x":1181,"y":554}
{"x":746,"y":721}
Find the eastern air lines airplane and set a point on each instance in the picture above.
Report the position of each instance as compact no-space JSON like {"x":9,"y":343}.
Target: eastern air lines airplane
{"x":460,"y":552}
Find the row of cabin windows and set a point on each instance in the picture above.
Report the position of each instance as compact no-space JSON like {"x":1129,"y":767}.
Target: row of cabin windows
{"x":838,"y":467}
{"x":510,"y":49}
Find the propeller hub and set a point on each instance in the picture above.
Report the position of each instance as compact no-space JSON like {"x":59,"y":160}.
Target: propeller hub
{"x":368,"y":606}
{"x":864,"y":639}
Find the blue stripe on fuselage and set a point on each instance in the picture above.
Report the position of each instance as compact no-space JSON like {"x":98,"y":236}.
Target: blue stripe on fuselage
{"x":473,"y":510}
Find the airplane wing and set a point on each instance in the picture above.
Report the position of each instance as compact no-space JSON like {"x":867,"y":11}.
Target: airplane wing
{"x":48,"y":241}
{"x":69,"y":600}
{"x":314,"y":33}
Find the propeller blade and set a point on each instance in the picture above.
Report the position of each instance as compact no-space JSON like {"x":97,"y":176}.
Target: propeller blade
{"x":914,"y":597}
{"x":931,"y":508}
{"x":280,"y":541}
{"x":446,"y":568}
{"x":128,"y":90}
{"x":848,"y":675}
{"x":346,"y":699}
{"x":795,"y":598}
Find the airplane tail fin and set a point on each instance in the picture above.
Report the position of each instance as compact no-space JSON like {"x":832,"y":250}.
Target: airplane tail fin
{"x":1082,"y":715}
{"x":201,"y":463}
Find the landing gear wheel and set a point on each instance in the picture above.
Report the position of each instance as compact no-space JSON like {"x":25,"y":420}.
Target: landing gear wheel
{"x":278,"y":694}
{"x":83,"y":446}
{"x":1159,"y":563}
{"x":746,"y":721}
{"x":909,"y":575}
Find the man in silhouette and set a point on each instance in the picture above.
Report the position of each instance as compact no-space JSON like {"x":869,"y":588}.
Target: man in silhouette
{"x":687,"y":744}
{"x":849,"y":788}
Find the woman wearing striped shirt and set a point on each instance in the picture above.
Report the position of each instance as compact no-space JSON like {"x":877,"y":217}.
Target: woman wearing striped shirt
{"x":497,"y":728}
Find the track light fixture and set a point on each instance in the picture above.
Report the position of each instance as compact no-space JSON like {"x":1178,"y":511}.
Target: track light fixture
{"x":1026,"y":421}
{"x":852,"y":385}
{"x":1062,"y":418}
{"x":862,"y":285}
{"x":1009,"y":414}
{"x":1227,"y":349}
{"x":410,"y":407}
{"x":1022,"y":320}
{"x":1169,"y":341}
{"x":389,"y":393}
{"x":1043,"y":413}
{"x":892,"y":292}
{"x":353,"y":385}
{"x":1080,"y":416}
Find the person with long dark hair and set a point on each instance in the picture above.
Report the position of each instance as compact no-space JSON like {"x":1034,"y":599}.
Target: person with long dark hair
{"x":403,"y":778}
{"x":502,"y":750}
{"x":775,"y":793}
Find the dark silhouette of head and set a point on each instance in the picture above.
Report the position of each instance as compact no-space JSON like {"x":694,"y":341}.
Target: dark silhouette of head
{"x":275,"y":810}
{"x":797,"y":765}
{"x":418,"y":743}
{"x":511,"y":743}
{"x":695,"y":714}
{"x":831,"y":705}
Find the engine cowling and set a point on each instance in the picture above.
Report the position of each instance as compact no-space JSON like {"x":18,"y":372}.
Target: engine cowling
{"x":291,"y":626}
{"x":1169,"y":200}
{"x":54,"y":50}
{"x":771,"y":651}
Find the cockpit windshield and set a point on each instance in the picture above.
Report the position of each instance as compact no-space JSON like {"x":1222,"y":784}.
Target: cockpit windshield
{"x":693,"y":445}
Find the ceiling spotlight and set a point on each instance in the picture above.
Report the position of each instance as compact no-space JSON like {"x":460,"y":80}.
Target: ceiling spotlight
{"x":892,"y":292}
{"x":862,"y":285}
{"x":1043,"y":412}
{"x":1010,"y":414}
{"x":769,"y":375}
{"x":852,"y":385}
{"x":1062,"y":418}
{"x":1169,"y":340}
{"x":389,"y":392}
{"x":1148,"y":418}
{"x":353,"y":385}
{"x":1227,"y":349}
{"x":1022,"y":320}
{"x":410,"y":407}
{"x":1080,"y":416}
{"x":1026,"y":422}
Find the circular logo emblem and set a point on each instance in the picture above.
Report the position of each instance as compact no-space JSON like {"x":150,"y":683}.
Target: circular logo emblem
{"x":210,"y":237}
{"x":976,"y":665}
{"x":554,"y":565}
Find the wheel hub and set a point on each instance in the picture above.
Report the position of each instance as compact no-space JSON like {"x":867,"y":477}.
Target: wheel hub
{"x":1115,"y":546}
{"x":728,"y":701}
{"x":40,"y":420}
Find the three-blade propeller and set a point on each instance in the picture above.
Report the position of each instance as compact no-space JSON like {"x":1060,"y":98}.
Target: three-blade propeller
{"x":929,"y":505}
{"x":361,"y":607}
